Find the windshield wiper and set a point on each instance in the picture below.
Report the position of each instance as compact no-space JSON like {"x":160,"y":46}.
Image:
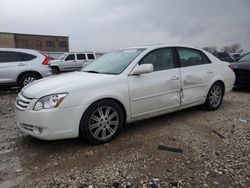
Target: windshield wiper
{"x":91,"y":71}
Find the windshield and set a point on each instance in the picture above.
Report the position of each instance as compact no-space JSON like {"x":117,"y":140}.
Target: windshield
{"x":245,"y":57}
{"x":62,"y":57}
{"x":113,"y":62}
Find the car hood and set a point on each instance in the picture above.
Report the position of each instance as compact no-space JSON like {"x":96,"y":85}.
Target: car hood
{"x":55,"y":61}
{"x":65,"y":83}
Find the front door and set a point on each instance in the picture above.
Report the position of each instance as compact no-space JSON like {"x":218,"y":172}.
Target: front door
{"x":69,"y":63}
{"x":158,"y":91}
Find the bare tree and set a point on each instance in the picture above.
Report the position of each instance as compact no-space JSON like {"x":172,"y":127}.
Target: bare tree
{"x":211,"y":49}
{"x":234,"y":48}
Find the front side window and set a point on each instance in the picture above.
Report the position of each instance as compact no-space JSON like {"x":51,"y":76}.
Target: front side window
{"x":114,"y":62}
{"x":70,"y":57}
{"x":81,"y":56}
{"x":189,"y":57}
{"x":161,"y":59}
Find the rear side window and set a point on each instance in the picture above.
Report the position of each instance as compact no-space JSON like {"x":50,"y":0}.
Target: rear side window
{"x":6,"y":56}
{"x":191,"y":57}
{"x":70,"y":57}
{"x":81,"y":56}
{"x":91,"y":56}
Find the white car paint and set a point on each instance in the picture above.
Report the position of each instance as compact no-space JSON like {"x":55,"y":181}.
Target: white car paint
{"x":142,"y":96}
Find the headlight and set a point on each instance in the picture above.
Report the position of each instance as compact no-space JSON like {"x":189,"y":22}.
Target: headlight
{"x":50,"y":101}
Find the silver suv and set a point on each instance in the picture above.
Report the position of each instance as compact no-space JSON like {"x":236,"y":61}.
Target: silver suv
{"x":19,"y":67}
{"x":72,"y":61}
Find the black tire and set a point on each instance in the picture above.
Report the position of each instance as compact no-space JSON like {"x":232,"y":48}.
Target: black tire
{"x":214,"y":101}
{"x":27,"y":79}
{"x":102,"y":125}
{"x":55,"y":70}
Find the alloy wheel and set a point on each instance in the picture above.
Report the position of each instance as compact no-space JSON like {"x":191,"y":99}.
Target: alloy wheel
{"x":103,"y":123}
{"x":28,"y":80}
{"x":215,"y":96}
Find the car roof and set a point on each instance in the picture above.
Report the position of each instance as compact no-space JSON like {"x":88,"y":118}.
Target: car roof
{"x":155,"y":46}
{"x":18,"y":50}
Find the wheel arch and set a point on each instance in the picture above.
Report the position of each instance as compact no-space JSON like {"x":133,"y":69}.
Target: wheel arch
{"x":54,"y":65}
{"x":28,"y":72}
{"x":121,"y":105}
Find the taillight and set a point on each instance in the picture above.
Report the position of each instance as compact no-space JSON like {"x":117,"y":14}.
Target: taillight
{"x":46,"y":60}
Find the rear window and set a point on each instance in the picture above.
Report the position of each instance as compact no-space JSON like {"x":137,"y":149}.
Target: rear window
{"x":6,"y":56}
{"x":91,"y":56}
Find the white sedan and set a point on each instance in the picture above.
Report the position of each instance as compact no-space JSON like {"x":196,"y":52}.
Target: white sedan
{"x":123,"y":86}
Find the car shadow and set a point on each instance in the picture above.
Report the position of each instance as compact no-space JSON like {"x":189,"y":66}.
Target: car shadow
{"x":241,"y":89}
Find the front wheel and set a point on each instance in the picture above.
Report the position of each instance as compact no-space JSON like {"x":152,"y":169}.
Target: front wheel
{"x":214,"y":96}
{"x":101,"y":122}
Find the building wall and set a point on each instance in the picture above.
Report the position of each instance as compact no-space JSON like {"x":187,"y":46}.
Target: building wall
{"x":7,"y":40}
{"x":38,"y":42}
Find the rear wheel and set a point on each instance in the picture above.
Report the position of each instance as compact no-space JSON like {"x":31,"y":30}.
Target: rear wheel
{"x":214,"y":96}
{"x":27,"y":79}
{"x":101,"y":122}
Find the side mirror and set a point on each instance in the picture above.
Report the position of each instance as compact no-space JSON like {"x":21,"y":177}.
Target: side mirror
{"x":142,"y":69}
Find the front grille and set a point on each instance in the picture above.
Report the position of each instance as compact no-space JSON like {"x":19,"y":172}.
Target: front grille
{"x":22,"y":102}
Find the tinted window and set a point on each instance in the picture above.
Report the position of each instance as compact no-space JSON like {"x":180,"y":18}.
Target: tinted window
{"x":62,"y":44}
{"x":70,"y":57}
{"x":91,"y":56}
{"x":50,"y":43}
{"x":81,"y":56}
{"x":39,"y":43}
{"x":189,"y":57}
{"x":15,"y":56}
{"x":161,"y":59}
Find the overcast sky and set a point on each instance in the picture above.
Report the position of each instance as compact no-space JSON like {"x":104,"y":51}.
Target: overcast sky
{"x":108,"y":24}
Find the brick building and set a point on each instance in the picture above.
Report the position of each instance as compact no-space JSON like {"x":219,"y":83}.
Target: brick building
{"x":47,"y":43}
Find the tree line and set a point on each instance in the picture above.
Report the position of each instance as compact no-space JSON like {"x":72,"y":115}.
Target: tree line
{"x":233,"y":48}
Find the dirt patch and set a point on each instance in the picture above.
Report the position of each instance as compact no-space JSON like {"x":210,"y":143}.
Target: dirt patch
{"x":133,"y":158}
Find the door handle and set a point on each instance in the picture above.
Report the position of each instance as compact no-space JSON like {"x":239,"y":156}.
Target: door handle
{"x":21,"y":64}
{"x":210,"y":72}
{"x":175,"y":78}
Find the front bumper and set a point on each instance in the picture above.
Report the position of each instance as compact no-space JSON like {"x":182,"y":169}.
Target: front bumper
{"x":50,"y":124}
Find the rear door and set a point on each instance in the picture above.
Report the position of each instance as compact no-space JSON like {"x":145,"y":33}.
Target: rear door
{"x":81,"y":60}
{"x":196,"y":71}
{"x":155,"y":92}
{"x":12,"y":64}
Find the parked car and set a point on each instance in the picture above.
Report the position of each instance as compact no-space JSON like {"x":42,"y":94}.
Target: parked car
{"x":242,"y":71}
{"x":71,"y":62}
{"x":223,"y":56}
{"x":19,"y":67}
{"x":121,"y":87}
{"x":236,"y":56}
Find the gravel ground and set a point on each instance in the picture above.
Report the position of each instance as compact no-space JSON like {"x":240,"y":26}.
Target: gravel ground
{"x":215,"y":150}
